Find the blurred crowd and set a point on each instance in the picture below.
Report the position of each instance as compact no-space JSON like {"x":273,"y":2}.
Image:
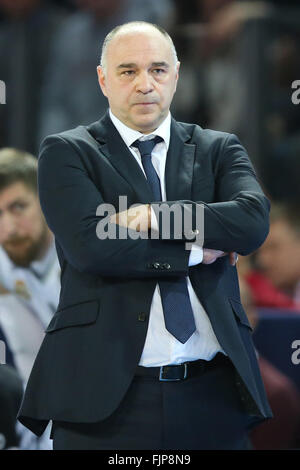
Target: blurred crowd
{"x":238,"y":62}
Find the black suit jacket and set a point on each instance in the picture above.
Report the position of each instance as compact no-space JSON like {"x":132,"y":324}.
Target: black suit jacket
{"x":94,"y":341}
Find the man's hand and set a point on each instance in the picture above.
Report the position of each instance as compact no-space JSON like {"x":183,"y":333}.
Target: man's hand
{"x":139,"y":218}
{"x":233,"y":257}
{"x":136,"y":218}
{"x":210,"y":256}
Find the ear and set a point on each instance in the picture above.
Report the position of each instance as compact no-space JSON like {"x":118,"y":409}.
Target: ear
{"x":101,"y":79}
{"x":177,"y":75}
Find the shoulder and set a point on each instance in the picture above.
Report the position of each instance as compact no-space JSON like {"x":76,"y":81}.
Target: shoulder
{"x":10,"y":382}
{"x":81,"y":136}
{"x":77,"y":141}
{"x":70,"y":136}
{"x":207,"y":138}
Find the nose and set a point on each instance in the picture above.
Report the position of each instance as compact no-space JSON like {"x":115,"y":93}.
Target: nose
{"x":144,"y":82}
{"x":263,"y":258}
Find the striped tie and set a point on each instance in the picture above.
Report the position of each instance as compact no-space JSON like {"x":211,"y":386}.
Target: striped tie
{"x":178,"y":313}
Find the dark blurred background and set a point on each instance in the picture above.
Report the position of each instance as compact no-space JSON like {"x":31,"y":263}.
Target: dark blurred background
{"x":239,"y":60}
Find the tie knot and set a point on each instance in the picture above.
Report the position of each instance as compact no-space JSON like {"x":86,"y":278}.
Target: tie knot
{"x":146,"y":146}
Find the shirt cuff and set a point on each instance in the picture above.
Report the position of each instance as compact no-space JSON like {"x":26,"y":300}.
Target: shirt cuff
{"x":196,"y":255}
{"x":154,"y":221}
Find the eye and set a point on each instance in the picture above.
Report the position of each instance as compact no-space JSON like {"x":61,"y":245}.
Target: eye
{"x":18,"y":207}
{"x":127,"y":73}
{"x":159,"y":71}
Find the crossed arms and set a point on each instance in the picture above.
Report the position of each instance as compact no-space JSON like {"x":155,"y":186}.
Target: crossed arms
{"x":69,"y":197}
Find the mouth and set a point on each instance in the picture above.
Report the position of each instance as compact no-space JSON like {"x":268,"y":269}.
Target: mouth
{"x":145,"y":103}
{"x":15,"y":244}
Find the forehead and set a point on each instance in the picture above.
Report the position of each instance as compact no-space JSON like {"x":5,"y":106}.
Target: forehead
{"x":280,"y":232}
{"x":14,"y":191}
{"x":139,"y":47}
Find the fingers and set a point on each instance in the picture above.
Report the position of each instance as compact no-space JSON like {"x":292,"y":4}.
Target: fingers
{"x":233,"y":257}
{"x":136,"y":218}
{"x":210,"y":256}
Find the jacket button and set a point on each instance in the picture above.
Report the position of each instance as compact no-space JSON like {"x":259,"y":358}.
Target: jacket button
{"x":193,"y":233}
{"x":166,"y":266}
{"x":156,"y":265}
{"x":142,"y":316}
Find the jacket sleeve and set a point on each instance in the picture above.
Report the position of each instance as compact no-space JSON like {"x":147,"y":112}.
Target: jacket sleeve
{"x":239,"y":219}
{"x":69,"y":199}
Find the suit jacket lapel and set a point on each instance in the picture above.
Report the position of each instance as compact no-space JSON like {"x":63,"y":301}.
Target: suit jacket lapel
{"x":117,"y":152}
{"x":179,"y":164}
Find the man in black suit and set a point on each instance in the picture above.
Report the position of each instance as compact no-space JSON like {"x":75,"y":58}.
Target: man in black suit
{"x":150,"y":347}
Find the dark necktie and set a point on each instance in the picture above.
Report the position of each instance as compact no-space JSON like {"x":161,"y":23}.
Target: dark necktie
{"x":178,"y":313}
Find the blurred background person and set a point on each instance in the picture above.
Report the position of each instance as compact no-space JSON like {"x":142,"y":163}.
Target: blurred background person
{"x":283,"y":431}
{"x":29,"y":268}
{"x":274,"y":277}
{"x":243,"y":60}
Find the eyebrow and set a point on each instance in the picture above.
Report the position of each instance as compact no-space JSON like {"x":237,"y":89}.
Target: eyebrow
{"x":133,"y":65}
{"x":11,"y":205}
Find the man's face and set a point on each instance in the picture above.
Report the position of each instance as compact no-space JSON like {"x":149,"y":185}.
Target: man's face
{"x":140,"y":78}
{"x":279,"y":257}
{"x":24,"y":233}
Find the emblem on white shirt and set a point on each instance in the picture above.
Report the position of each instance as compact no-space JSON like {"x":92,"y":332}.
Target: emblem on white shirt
{"x":21,"y":289}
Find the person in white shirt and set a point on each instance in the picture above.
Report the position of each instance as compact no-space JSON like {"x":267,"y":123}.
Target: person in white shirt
{"x":29,"y":268}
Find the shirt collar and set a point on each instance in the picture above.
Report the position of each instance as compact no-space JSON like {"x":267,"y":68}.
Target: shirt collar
{"x":130,"y":135}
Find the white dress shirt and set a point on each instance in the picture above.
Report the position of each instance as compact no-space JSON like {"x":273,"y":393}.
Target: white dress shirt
{"x":25,"y":311}
{"x":161,"y":347}
{"x":27,"y":308}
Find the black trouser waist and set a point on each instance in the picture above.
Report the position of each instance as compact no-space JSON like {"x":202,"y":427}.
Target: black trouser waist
{"x":183,"y":371}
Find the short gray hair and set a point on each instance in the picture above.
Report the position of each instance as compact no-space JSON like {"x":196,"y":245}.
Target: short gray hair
{"x":131,"y":26}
